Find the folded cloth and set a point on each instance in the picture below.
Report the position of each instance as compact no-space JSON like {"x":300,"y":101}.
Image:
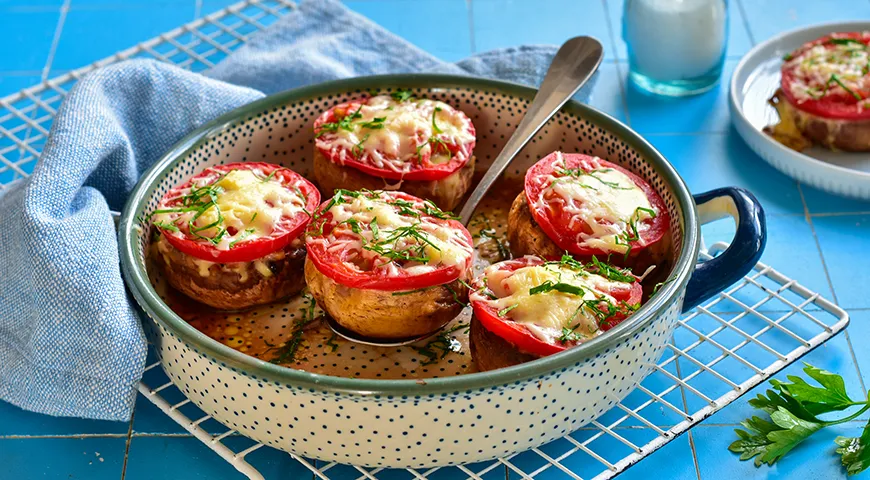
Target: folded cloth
{"x":71,"y":341}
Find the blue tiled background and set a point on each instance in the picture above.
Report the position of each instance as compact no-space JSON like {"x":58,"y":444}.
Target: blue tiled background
{"x":815,"y":238}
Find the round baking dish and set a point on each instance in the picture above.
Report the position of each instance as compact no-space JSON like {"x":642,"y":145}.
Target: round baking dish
{"x":430,"y":422}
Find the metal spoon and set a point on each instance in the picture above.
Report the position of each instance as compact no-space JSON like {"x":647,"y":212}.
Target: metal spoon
{"x":572,"y":66}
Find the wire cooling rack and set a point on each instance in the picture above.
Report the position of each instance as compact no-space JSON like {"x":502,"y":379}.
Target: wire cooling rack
{"x":720,"y":350}
{"x":26,"y":116}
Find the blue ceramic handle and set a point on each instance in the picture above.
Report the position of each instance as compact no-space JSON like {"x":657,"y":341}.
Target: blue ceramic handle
{"x":717,"y":274}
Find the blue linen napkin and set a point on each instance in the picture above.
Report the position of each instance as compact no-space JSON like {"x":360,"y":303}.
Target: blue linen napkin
{"x":71,"y":343}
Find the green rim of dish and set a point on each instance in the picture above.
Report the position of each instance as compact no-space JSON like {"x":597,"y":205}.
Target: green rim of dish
{"x":147,"y":297}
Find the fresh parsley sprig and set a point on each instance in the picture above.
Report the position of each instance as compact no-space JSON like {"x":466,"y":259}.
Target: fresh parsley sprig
{"x":793,"y":408}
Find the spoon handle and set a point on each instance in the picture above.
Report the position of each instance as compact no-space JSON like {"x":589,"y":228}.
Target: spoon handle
{"x":574,"y":63}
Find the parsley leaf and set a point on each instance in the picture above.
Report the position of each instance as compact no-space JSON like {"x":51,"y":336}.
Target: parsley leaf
{"x":855,"y":452}
{"x":793,"y":407}
{"x":559,"y":287}
{"x":768,"y":442}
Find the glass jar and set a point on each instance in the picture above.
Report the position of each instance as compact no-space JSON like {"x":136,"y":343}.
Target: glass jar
{"x":675,"y":47}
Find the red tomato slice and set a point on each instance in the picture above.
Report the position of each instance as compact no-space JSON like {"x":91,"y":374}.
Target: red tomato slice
{"x":835,"y":104}
{"x":517,"y":334}
{"x":557,"y":224}
{"x":285,"y":231}
{"x":421,"y":168}
{"x":336,"y":263}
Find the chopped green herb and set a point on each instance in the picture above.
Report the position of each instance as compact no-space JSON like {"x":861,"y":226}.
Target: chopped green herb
{"x":357,"y":149}
{"x":569,"y":334}
{"x":611,"y":272}
{"x":401,"y":95}
{"x":548,"y":286}
{"x":374,"y":124}
{"x":247,"y":233}
{"x":837,"y":80}
{"x":504,"y":311}
{"x":434,"y":126}
{"x":787,"y":57}
{"x":330,"y":342}
{"x":345,"y":123}
{"x":579,"y":172}
{"x":456,"y":296}
{"x":167,"y":226}
{"x":847,"y":41}
{"x":401,"y":294}
{"x":287,"y":352}
{"x":443,"y":344}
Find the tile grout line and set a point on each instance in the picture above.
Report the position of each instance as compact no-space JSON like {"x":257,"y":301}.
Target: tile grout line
{"x":127,"y":443}
{"x":46,"y":68}
{"x":690,"y":436}
{"x":623,"y":88}
{"x":745,"y":19}
{"x":64,"y":9}
{"x":470,"y":5}
{"x":809,"y":220}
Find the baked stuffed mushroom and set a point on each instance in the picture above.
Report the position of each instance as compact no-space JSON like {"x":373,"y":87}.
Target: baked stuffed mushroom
{"x":823,"y":95}
{"x":529,"y":308}
{"x":387,"y":265}
{"x":588,"y":207}
{"x":231,"y":236}
{"x":396,"y":142}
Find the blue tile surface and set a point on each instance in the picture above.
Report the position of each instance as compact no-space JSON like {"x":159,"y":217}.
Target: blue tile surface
{"x":707,"y":112}
{"x":767,"y":18}
{"x":27,"y":38}
{"x":842,"y":238}
{"x":85,"y":38}
{"x":448,"y":37}
{"x":68,"y":458}
{"x":10,"y":84}
{"x":499,"y":24}
{"x":693,"y":133}
{"x":709,"y":161}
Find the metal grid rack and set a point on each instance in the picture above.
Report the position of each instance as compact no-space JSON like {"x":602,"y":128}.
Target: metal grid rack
{"x":720,"y":350}
{"x":26,"y":116}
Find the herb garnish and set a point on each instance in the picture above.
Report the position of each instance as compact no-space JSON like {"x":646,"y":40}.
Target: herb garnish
{"x":409,"y":292}
{"x":375,"y":124}
{"x":548,"y":286}
{"x":401,"y":95}
{"x":504,"y":311}
{"x":631,"y":233}
{"x":435,"y":128}
{"x":443,"y":344}
{"x":610,"y":272}
{"x":330,"y":342}
{"x":287,"y":352}
{"x":357,"y":149}
{"x":846,"y":41}
{"x":793,"y":408}
{"x":486,"y":233}
{"x":579,"y":172}
{"x":345,"y":123}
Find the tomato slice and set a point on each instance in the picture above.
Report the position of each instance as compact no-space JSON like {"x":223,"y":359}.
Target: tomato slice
{"x":561,"y":226}
{"x":285,"y":230}
{"x":348,"y":255}
{"x":415,"y":163}
{"x":518,"y":334}
{"x":834,"y":103}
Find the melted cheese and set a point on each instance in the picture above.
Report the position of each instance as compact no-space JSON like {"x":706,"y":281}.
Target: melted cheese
{"x":443,"y":246}
{"x":546,"y":314}
{"x":604,"y":199}
{"x":814,"y":69}
{"x":407,"y":128}
{"x":248,"y":206}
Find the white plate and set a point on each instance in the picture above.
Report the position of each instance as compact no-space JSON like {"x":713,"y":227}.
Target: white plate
{"x":755,"y":80}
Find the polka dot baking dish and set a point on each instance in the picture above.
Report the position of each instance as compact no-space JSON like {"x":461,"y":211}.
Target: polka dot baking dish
{"x":412,"y":407}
